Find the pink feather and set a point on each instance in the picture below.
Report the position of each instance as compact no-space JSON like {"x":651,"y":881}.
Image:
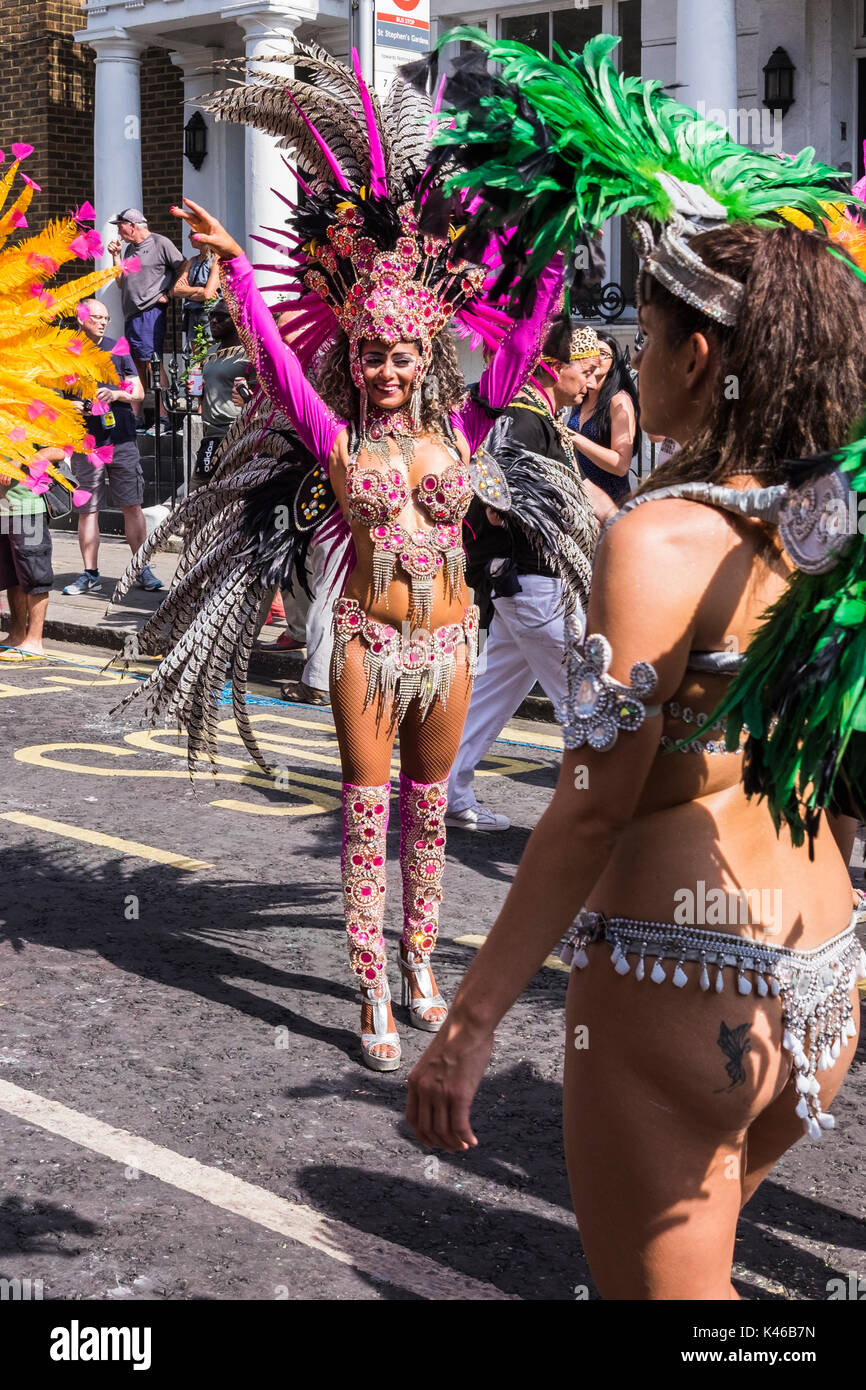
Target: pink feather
{"x":323,"y":145}
{"x":378,"y":176}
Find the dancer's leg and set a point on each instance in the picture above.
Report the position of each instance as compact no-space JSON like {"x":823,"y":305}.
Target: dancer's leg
{"x":778,"y":1128}
{"x":427,"y":750}
{"x":365,"y":735}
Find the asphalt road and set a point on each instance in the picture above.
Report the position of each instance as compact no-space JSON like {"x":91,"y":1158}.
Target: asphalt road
{"x":183,"y":1112}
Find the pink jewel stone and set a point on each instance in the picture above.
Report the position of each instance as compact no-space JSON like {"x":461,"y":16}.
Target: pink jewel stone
{"x":366,"y":484}
{"x":378,"y":808}
{"x":366,"y":891}
{"x":423,"y":804}
{"x":440,"y":840}
{"x":429,"y":484}
{"x":368,"y":832}
{"x":357,"y":859}
{"x":370,"y":974}
{"x":358,"y":807}
{"x":366,"y":957}
{"x":361,"y":935}
{"x":378,"y":861}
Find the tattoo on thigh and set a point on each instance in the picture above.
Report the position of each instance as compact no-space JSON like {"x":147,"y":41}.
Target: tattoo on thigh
{"x":735,"y":1043}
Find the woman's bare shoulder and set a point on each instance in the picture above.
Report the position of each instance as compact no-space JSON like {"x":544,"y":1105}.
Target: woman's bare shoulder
{"x":670,"y":543}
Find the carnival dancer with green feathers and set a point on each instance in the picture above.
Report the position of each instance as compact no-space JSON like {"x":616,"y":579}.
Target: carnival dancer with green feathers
{"x":720,"y":1024}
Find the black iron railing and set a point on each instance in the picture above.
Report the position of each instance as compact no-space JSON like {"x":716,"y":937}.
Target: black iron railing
{"x":606,"y":302}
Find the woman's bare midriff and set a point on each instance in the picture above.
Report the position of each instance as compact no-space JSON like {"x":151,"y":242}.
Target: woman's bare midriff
{"x":394,"y":606}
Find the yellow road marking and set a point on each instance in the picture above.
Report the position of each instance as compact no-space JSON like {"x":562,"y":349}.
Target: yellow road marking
{"x":38,"y":755}
{"x":96,"y":837}
{"x":552,"y":962}
{"x":14,"y":692}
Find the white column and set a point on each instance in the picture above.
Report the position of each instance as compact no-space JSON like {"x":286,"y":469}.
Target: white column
{"x":116,"y":142}
{"x":210,"y":184}
{"x":265,"y":166}
{"x":707,"y":55}
{"x":116,"y":128}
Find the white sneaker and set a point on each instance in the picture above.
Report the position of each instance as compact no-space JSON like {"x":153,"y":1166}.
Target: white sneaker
{"x":477,"y":817}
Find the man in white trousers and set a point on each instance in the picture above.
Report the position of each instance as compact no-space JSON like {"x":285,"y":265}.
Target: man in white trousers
{"x":527,"y":636}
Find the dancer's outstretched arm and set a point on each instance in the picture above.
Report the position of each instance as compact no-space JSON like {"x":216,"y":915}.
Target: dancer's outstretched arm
{"x":279,"y":371}
{"x":650,"y":576}
{"x":513,"y":361}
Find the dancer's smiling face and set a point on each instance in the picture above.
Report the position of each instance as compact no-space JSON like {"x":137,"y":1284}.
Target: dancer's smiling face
{"x":389,"y":372}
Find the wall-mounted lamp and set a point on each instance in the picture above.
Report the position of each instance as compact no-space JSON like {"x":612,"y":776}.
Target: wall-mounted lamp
{"x":779,"y":82}
{"x":195,"y":140}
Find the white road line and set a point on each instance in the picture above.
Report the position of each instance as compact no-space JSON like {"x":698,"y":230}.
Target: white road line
{"x":379,"y":1259}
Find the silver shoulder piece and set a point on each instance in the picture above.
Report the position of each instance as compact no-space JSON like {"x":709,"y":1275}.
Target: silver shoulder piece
{"x":813,"y":519}
{"x":597,"y":706}
{"x":813,"y":522}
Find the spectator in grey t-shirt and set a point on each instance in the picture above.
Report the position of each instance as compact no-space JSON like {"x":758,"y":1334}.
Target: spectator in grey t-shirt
{"x":144,"y":295}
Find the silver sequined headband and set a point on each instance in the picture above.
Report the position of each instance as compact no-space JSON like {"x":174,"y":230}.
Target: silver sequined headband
{"x":671,"y":260}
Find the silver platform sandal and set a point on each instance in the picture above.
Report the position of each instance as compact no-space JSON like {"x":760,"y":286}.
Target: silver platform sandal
{"x":379,"y":996}
{"x":418,"y":1007}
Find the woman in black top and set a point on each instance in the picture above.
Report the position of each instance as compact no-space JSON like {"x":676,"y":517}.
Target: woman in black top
{"x":605,"y":424}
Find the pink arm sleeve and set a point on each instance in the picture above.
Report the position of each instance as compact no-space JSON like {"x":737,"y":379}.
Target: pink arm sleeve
{"x":279,"y":372}
{"x":513,"y":361}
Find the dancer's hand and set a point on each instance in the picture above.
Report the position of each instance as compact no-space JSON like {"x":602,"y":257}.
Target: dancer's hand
{"x":207,"y":231}
{"x":442,"y":1086}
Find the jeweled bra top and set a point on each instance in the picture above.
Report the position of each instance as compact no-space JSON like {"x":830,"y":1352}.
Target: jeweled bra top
{"x":376,"y":499}
{"x":377,"y":496}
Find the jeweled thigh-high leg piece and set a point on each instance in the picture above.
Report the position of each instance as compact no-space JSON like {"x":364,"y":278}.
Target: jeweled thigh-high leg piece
{"x":365,"y":825}
{"x":422,"y":863}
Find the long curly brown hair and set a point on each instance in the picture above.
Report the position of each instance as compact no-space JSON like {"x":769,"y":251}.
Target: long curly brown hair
{"x":791,"y":372}
{"x":442,"y":390}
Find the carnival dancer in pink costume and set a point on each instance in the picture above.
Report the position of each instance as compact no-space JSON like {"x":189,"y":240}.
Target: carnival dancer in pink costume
{"x":388,"y":436}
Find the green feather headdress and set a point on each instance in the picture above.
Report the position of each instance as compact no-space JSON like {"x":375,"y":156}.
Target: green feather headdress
{"x":553,"y":149}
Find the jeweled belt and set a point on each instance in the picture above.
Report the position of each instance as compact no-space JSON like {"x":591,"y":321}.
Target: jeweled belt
{"x":406,"y":665}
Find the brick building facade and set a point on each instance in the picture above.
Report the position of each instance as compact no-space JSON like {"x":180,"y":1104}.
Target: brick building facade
{"x":48,"y":101}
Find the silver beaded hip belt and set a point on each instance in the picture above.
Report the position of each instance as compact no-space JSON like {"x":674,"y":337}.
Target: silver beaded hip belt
{"x":814,"y":987}
{"x":415,"y":665}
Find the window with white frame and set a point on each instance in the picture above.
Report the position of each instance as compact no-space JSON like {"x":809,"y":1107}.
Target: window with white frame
{"x":572,"y":26}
